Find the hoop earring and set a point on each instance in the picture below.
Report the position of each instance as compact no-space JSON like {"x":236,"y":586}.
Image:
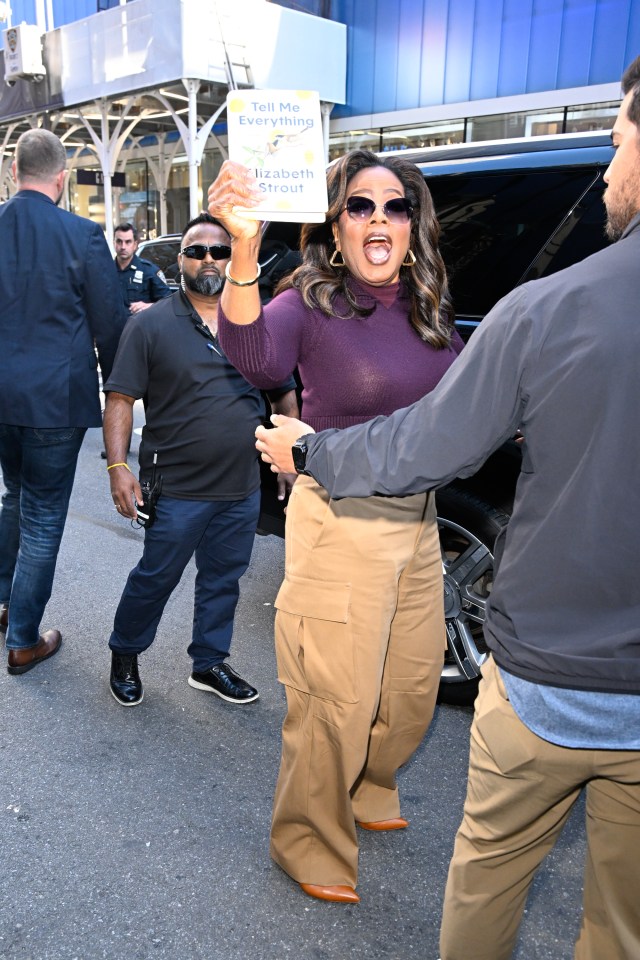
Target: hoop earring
{"x":333,"y":262}
{"x":411,"y":261}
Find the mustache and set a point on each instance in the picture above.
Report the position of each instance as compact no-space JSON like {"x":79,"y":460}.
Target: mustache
{"x":207,"y":284}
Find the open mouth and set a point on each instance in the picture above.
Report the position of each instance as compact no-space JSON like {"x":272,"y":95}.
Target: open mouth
{"x":377,"y":248}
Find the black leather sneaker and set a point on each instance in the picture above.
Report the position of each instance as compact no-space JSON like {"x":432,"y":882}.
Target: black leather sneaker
{"x":125,"y":682}
{"x":224,"y":682}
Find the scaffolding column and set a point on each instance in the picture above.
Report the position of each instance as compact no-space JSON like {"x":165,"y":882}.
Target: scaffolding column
{"x":193,"y":155}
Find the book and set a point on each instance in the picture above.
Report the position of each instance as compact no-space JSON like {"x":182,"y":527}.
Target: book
{"x":278,"y":135}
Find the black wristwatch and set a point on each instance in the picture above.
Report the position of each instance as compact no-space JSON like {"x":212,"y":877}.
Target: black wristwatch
{"x":299,"y":453}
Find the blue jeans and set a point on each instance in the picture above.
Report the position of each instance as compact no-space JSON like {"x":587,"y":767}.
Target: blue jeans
{"x":221,"y":534}
{"x":38,"y":468}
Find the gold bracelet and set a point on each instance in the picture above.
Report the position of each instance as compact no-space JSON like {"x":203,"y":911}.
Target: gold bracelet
{"x":241,"y":283}
{"x":119,"y":465}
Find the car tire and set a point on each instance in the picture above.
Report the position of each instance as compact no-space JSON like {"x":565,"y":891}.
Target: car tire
{"x":468,"y":528}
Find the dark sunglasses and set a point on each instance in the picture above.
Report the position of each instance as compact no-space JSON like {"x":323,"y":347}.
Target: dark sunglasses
{"x":198,"y":251}
{"x":397,"y":210}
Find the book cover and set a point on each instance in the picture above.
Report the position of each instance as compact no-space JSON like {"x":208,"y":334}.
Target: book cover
{"x":278,"y":135}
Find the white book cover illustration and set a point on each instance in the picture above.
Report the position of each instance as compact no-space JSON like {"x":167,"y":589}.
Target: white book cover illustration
{"x":278,"y":135}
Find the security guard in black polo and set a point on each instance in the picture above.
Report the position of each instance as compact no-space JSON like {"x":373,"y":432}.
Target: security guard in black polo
{"x":141,"y":282}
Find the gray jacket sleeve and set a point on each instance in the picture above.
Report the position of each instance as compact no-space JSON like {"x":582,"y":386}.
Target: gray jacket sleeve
{"x":477,"y":405}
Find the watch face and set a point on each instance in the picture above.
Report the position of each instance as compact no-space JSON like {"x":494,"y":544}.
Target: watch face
{"x":299,"y":451}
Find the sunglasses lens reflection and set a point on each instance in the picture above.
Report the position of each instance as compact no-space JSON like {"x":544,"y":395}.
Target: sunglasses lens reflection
{"x":360,"y":208}
{"x":198,"y":251}
{"x":397,"y":210}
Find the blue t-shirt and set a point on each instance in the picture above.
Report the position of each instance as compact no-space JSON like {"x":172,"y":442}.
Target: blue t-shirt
{"x":576,"y":718}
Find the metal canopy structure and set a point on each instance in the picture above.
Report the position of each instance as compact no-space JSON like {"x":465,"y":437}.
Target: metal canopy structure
{"x":151,"y":77}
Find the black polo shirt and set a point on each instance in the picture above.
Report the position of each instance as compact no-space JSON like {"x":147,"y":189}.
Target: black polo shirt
{"x":201,"y":413}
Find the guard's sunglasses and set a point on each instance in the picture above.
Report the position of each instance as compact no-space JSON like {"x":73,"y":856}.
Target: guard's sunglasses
{"x":198,"y":251}
{"x":396,"y":210}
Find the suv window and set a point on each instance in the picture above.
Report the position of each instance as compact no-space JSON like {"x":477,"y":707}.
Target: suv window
{"x":496,"y":227}
{"x":164,"y":253}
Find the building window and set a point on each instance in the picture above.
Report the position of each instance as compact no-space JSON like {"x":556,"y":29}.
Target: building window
{"x":499,"y":126}
{"x":591,"y":116}
{"x":354,"y":140}
{"x":503,"y":126}
{"x":137,"y":203}
{"x":437,"y":134}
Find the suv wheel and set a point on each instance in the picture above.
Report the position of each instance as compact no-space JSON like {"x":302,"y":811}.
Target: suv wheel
{"x":468,"y":529}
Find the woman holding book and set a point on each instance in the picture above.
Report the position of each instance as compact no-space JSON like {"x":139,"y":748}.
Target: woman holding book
{"x":360,"y":632}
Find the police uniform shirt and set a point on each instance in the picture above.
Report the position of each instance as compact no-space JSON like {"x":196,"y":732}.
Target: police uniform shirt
{"x":142,"y":281}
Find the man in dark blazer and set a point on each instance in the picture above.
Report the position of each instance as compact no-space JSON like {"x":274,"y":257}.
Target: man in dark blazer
{"x":60,"y":300}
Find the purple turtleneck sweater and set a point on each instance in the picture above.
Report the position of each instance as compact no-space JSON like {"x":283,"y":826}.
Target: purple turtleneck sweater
{"x":352,"y":370}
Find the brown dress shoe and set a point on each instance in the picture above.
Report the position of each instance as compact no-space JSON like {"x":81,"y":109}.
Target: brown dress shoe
{"x":335,"y":894}
{"x":4,"y":618}
{"x":29,"y":657}
{"x":398,"y":823}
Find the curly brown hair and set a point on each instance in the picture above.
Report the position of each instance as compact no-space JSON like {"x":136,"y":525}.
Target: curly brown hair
{"x":431,"y":312}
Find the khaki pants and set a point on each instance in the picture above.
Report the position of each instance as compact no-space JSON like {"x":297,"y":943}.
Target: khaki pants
{"x":360,"y":642}
{"x":520,"y":793}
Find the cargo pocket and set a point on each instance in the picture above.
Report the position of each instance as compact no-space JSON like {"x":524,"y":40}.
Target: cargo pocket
{"x":314,"y":642}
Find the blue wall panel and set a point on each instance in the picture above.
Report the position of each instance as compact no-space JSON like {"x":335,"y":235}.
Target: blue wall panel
{"x":544,"y":47}
{"x":632,"y":46}
{"x":433,"y":45}
{"x":486,"y":49}
{"x":515,"y":40}
{"x":23,"y":10}
{"x":387,"y":31}
{"x":481,"y":49}
{"x":612,"y":20}
{"x":64,"y":11}
{"x":576,"y":44}
{"x":409,"y":54}
{"x":457,"y":81}
{"x":361,"y":52}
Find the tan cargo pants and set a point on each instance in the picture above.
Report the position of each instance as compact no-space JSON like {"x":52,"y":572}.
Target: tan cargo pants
{"x":360,"y":642}
{"x":520,"y":793}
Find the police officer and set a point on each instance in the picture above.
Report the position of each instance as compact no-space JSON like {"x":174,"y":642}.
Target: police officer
{"x":141,"y":282}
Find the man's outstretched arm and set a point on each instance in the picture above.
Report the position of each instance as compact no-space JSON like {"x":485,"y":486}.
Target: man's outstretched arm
{"x":448,"y":433}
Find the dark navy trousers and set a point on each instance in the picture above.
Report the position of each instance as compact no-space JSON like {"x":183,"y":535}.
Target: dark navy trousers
{"x":220,"y":533}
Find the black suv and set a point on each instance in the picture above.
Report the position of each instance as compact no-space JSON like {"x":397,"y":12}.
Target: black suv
{"x":163,"y":251}
{"x":510,"y":211}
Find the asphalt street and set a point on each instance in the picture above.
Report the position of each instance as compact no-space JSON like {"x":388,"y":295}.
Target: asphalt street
{"x":143,"y":833}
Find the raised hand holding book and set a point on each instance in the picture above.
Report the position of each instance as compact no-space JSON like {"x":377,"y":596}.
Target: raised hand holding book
{"x":278,"y":135}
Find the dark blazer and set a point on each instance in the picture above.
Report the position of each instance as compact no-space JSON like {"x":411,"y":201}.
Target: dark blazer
{"x":58,"y":297}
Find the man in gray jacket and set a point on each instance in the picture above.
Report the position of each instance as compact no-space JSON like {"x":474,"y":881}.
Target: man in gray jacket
{"x":559,"y":707}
